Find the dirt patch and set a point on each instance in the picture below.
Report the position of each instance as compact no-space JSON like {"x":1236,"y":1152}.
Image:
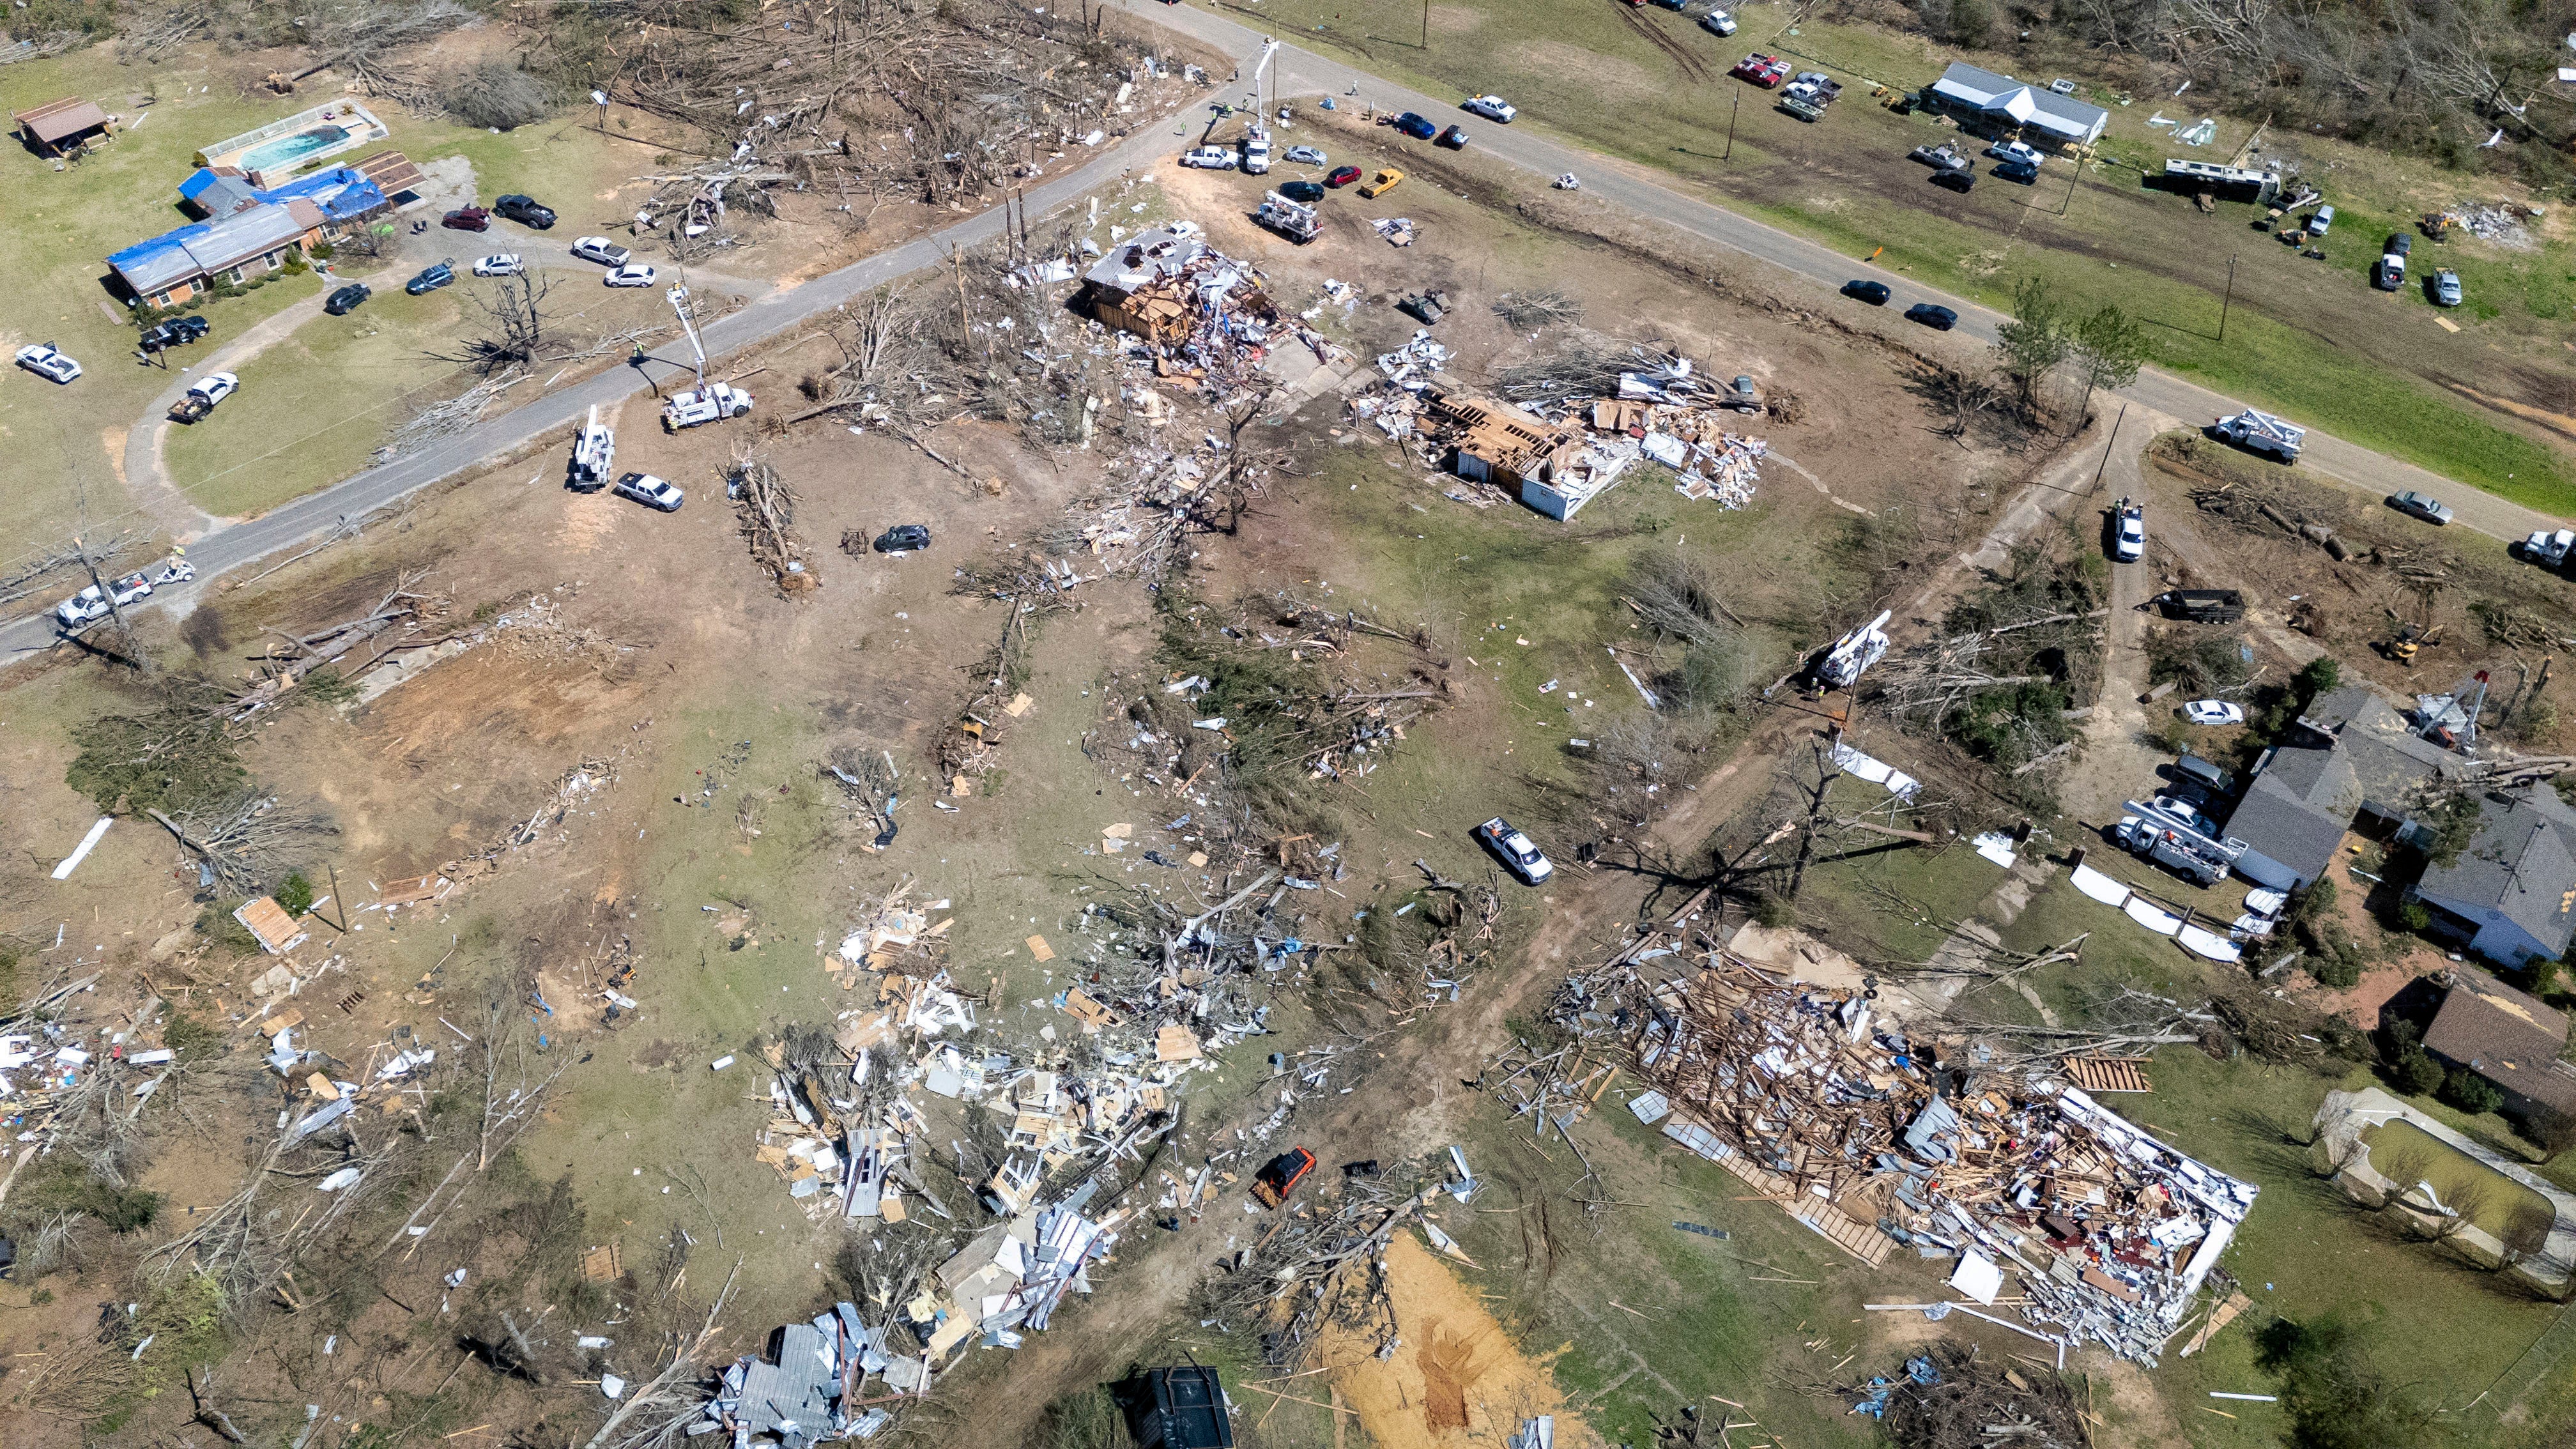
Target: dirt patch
{"x":1464,"y":1381}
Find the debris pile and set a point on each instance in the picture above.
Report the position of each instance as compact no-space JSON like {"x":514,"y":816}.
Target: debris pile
{"x":1201,"y":320}
{"x":1878,"y":1139}
{"x":1951,"y":1398}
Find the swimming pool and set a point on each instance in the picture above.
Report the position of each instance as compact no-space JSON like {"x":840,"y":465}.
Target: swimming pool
{"x":287,"y":149}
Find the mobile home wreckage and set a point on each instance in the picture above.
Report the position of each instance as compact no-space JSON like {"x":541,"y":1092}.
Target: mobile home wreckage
{"x":1878,"y":1138}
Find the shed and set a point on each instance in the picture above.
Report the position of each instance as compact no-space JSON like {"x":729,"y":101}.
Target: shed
{"x":59,"y":126}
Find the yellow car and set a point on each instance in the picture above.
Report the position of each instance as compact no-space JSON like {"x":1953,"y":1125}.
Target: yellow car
{"x":1382,"y":183}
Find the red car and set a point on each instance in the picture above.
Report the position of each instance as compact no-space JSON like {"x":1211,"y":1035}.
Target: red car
{"x":467,"y":218}
{"x":1342,"y":176}
{"x":1763,"y":70}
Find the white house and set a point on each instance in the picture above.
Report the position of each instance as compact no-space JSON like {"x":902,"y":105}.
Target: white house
{"x":2003,"y":103}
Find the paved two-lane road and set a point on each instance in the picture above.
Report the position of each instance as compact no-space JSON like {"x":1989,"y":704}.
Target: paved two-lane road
{"x":1300,"y":73}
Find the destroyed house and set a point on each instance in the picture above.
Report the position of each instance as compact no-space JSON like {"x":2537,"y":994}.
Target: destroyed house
{"x":2353,"y":761}
{"x":1999,"y":103}
{"x":2510,"y":895}
{"x":1148,"y":284}
{"x":2506,"y":1037}
{"x":1500,"y":444}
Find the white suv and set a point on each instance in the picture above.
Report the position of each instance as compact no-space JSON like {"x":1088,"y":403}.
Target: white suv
{"x":601,"y":250}
{"x":650,"y":491}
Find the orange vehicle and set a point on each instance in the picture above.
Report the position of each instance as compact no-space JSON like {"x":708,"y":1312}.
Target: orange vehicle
{"x":1280,"y":1176}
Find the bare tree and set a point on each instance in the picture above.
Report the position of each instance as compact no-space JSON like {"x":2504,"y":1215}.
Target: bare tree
{"x":515,"y":329}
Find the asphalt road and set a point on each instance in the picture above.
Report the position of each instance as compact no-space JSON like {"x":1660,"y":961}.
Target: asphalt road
{"x":1305,"y":73}
{"x":1300,"y":73}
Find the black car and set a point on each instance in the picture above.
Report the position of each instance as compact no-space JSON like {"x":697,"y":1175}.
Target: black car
{"x":177,"y":332}
{"x":1455,"y":138}
{"x":1308,"y":192}
{"x":432,"y":279}
{"x":345,"y":300}
{"x":1962,"y":181}
{"x":1939,"y":319}
{"x":904,"y":538}
{"x":1874,"y":293}
{"x":2400,"y":243}
{"x":2024,"y":172}
{"x":527,"y":211}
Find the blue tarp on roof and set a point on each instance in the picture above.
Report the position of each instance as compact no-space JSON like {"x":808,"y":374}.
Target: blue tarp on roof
{"x":245,"y":221}
{"x":342,"y":192}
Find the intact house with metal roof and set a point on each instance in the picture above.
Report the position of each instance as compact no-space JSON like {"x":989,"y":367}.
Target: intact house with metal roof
{"x":245,"y":230}
{"x":2352,"y":762}
{"x":65,"y":125}
{"x":2507,"y":1037}
{"x":1994,"y":102}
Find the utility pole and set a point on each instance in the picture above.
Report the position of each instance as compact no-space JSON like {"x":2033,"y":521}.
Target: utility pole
{"x":1730,"y":123}
{"x":2067,"y":202}
{"x":2229,"y":299}
{"x":2107,"y":444}
{"x":1426,"y":24}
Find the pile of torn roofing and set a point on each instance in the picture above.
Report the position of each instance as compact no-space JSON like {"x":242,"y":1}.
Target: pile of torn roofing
{"x":1800,"y":1091}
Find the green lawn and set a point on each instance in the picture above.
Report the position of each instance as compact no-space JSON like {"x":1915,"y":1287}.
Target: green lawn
{"x":2311,"y":339}
{"x":62,"y":225}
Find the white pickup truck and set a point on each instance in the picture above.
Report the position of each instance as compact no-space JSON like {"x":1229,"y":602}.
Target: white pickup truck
{"x":2261,"y":432}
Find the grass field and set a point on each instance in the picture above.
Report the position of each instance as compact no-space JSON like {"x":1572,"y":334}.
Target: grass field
{"x":2312,"y":339}
{"x":62,"y":225}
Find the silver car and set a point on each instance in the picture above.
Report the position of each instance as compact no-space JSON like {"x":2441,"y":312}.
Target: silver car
{"x":2421,"y":505}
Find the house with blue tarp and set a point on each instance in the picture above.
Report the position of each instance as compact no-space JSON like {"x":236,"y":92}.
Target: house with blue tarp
{"x":244,"y":229}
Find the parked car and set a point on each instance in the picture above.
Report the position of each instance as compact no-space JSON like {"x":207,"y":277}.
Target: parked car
{"x":344,"y":301}
{"x":601,"y":250}
{"x":2129,"y":532}
{"x":1305,"y":192}
{"x":1416,"y":127}
{"x":176,"y":332}
{"x":2402,"y":243}
{"x":47,"y":361}
{"x":1519,"y":854}
{"x":2213,"y":712}
{"x":2388,"y":274}
{"x":1962,"y":181}
{"x":1874,"y":293}
{"x":1305,"y":156}
{"x":431,"y":279}
{"x":1342,"y":176}
{"x":1672,"y":4}
{"x":1762,"y":70}
{"x":904,"y":538}
{"x":2318,"y":223}
{"x":1492,"y":108}
{"x":1941,"y":158}
{"x":467,"y":218}
{"x":2025,"y":173}
{"x":1384,"y":181}
{"x":2446,"y":287}
{"x":91,"y":604}
{"x":203,"y":394}
{"x":2183,"y":810}
{"x":1210,"y":158}
{"x":633,"y":274}
{"x":2204,"y":776}
{"x":506,"y":264}
{"x":648,"y":490}
{"x":2420,"y":505}
{"x":1717,"y":22}
{"x":1939,"y":319}
{"x":527,"y":211}
{"x":1455,"y":138}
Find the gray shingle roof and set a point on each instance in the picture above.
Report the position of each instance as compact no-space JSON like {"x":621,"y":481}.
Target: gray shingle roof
{"x":2518,"y":864}
{"x":1991,"y":92}
{"x":2281,"y":819}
